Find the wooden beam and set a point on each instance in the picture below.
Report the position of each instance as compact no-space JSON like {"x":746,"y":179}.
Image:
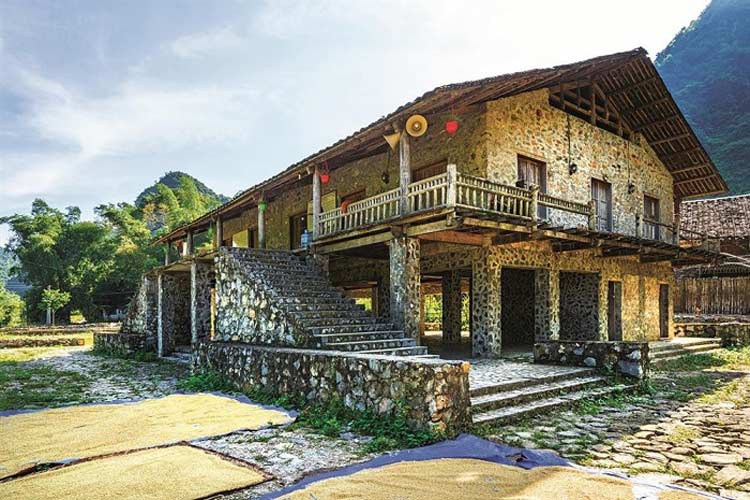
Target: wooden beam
{"x":701,"y":178}
{"x":456,"y":237}
{"x":354,"y":243}
{"x":560,"y":235}
{"x":500,"y":226}
{"x":430,"y":227}
{"x":670,"y":139}
{"x":634,"y":86}
{"x":635,"y":109}
{"x":656,"y":122}
{"x":690,"y":168}
{"x":677,"y":154}
{"x":507,"y":239}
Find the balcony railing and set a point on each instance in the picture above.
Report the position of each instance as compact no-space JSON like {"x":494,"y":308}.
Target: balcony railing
{"x":448,"y":190}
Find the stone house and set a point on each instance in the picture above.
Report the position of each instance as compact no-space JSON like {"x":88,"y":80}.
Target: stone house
{"x":545,"y":200}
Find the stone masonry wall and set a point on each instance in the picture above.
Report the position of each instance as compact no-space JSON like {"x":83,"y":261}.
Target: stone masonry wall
{"x":732,"y":333}
{"x":579,"y":306}
{"x":173,"y":299}
{"x":247,"y":309}
{"x":435,"y":392}
{"x":528,"y":125}
{"x":142,"y":312}
{"x":628,"y":358}
{"x":122,"y":344}
{"x":201,"y":275}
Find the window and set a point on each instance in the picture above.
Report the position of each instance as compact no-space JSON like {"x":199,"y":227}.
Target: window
{"x":532,"y":172}
{"x":352,"y":197}
{"x":431,"y":170}
{"x":650,"y":217}
{"x":601,"y":194}
{"x":297,"y":226}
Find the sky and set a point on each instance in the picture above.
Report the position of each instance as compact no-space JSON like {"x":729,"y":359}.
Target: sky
{"x":99,"y":98}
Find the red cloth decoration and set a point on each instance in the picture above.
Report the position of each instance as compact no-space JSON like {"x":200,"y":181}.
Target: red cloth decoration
{"x":451,"y":126}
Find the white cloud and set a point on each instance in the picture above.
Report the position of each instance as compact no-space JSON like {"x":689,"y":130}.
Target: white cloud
{"x":204,"y":44}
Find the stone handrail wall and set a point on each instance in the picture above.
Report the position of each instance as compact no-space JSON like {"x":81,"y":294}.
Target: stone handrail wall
{"x":626,"y":358}
{"x":435,"y":392}
{"x":248,"y":307}
{"x":122,"y":344}
{"x":732,"y":333}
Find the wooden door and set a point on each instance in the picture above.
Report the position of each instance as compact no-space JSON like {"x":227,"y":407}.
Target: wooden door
{"x":663,"y":311}
{"x":650,"y":216}
{"x":614,"y":310}
{"x":533,"y":173}
{"x":601,"y":193}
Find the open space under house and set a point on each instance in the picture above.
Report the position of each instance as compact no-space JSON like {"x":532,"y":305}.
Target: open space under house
{"x":541,"y":206}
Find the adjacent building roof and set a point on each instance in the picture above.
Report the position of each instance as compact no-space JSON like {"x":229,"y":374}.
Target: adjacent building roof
{"x":725,"y":218}
{"x":628,"y":81}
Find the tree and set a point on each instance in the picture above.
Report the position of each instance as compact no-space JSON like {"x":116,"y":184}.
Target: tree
{"x":11,"y":308}
{"x":53,"y":300}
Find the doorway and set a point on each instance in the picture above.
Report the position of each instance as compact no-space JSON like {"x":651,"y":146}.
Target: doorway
{"x":663,"y":311}
{"x":614,"y":310}
{"x":517,"y":312}
{"x":579,"y":306}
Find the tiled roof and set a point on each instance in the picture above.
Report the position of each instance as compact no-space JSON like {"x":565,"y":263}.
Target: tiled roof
{"x":726,"y":217}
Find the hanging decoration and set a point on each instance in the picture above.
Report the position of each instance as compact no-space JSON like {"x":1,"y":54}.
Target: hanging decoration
{"x":262,"y":205}
{"x":451,"y":126}
{"x":572,"y":167}
{"x":324,"y":174}
{"x":392,"y":139}
{"x":345,"y":205}
{"x":416,"y":125}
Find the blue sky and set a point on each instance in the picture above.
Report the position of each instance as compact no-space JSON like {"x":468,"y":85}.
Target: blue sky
{"x":99,"y":98}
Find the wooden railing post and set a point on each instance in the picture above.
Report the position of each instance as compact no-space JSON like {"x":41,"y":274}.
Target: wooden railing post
{"x":638,"y":226}
{"x":592,"y":216}
{"x":451,"y":191}
{"x":534,"y":205}
{"x":676,"y":229}
{"x":315,"y":204}
{"x":404,"y":157}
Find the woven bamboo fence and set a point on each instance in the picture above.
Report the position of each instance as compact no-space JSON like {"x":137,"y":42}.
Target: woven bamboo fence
{"x":710,"y":295}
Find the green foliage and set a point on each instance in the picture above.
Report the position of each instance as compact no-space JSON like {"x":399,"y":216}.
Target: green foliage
{"x":11,"y":308}
{"x":206,"y":382}
{"x":100,"y":263}
{"x":705,"y":68}
{"x":53,"y":300}
{"x":34,"y":386}
{"x":733,"y":359}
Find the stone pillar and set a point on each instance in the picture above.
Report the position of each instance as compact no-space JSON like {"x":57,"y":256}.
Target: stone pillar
{"x":200,"y":301}
{"x":160,"y":320}
{"x":486,"y":337}
{"x":384,"y":297}
{"x":452,"y":307}
{"x":547,"y":305}
{"x":406,"y":288}
{"x":602,"y":306}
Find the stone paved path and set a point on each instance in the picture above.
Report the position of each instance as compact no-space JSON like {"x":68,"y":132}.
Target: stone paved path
{"x":693,"y":431}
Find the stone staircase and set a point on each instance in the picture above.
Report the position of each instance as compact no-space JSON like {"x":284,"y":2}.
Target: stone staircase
{"x":513,"y":400}
{"x":331,"y":321}
{"x":662,"y":351}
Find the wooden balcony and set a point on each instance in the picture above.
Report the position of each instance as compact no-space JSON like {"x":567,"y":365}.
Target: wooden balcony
{"x":450,"y":190}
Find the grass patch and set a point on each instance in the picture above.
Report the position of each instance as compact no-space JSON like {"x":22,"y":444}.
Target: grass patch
{"x":24,"y":387}
{"x":732,"y":392}
{"x":728,"y":359}
{"x":330,"y":418}
{"x":22,"y":354}
{"x":683,"y":434}
{"x":141,"y":357}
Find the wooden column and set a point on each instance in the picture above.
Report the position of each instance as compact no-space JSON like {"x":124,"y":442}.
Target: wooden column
{"x":261,"y":224}
{"x":189,"y":243}
{"x":592,"y":216}
{"x":638,"y":226}
{"x":452,"y":188}
{"x":167,"y":248}
{"x":404,"y":165}
{"x":219,"y":232}
{"x":315,"y":201}
{"x":534,"y":205}
{"x":676,"y":228}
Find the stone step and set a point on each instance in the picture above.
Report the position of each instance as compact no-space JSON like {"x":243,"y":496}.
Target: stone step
{"x":398,"y":351}
{"x":338,"y":329}
{"x":676,"y":345}
{"x":512,"y":397}
{"x":516,"y":412}
{"x":312,"y":303}
{"x":571,"y":374}
{"x":345,"y":313}
{"x":370,"y":345}
{"x":656,"y":362}
{"x":342,"y":320}
{"x":692,"y":349}
{"x":356,"y":337}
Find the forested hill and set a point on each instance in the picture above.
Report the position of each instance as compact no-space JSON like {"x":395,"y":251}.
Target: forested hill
{"x":172,"y":181}
{"x":707,"y":68}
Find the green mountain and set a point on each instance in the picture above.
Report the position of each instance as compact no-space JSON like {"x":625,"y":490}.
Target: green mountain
{"x":172,"y":181}
{"x":707,"y":68}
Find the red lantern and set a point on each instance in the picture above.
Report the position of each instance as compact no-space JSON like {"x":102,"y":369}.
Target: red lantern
{"x":325,"y":177}
{"x":451,"y":126}
{"x":345,"y":206}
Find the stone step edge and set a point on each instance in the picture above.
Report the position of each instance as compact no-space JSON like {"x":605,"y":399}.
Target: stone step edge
{"x":364,"y":342}
{"x":683,"y":352}
{"x":679,"y":346}
{"x":661,"y":360}
{"x":538,"y":392}
{"x":543,"y":406}
{"x":394,"y":351}
{"x":528,"y":382}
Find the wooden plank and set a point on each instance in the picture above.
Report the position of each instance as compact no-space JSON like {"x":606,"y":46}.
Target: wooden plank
{"x":430,"y":227}
{"x":456,"y":237}
{"x":500,"y":226}
{"x":669,"y":139}
{"x":354,"y":243}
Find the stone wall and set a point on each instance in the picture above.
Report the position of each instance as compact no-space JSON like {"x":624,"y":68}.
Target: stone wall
{"x":406,"y":288}
{"x":355,"y":270}
{"x":122,"y":344}
{"x":626,"y":358}
{"x":173,"y":311}
{"x":436,"y":392}
{"x":732,"y":333}
{"x":528,"y":125}
{"x":579,"y":306}
{"x":247,"y":308}
{"x":201,"y":276}
{"x":518,"y":300}
{"x":142,"y":311}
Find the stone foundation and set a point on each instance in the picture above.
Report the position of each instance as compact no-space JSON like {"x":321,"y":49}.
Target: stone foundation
{"x":435,"y":392}
{"x":732,"y":333}
{"x":626,"y":358}
{"x":122,"y":344}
